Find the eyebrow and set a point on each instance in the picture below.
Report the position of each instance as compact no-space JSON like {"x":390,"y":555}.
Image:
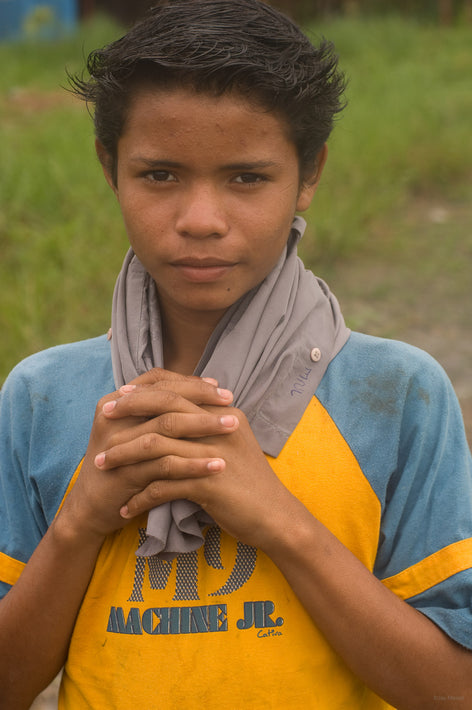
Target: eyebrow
{"x":254,"y":165}
{"x":243,"y":165}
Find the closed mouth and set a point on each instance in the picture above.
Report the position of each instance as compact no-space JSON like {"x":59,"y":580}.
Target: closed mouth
{"x":203,"y":270}
{"x":205,"y":263}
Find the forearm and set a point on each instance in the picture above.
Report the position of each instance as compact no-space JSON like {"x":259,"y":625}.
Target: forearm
{"x":397,"y":651}
{"x":37,"y":616}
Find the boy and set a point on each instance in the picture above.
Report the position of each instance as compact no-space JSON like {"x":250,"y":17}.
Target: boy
{"x":309,"y":534}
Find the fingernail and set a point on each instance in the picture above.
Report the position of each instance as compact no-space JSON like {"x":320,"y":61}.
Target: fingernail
{"x":99,"y":460}
{"x":126,"y":389}
{"x":228,"y":421}
{"x":225,"y":394}
{"x":210,"y":380}
{"x":124,"y":512}
{"x":216,"y":465}
{"x":109,"y":406}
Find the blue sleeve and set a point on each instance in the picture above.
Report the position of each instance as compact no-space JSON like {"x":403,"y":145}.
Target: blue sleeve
{"x":397,"y":410}
{"x":22,"y":520}
{"x":427,"y":510}
{"x":47,"y":407}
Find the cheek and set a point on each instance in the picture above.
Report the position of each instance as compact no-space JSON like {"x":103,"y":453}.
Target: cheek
{"x":143,"y":225}
{"x":267,"y":252}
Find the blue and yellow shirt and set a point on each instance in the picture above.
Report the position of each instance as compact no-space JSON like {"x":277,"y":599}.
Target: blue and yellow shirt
{"x":379,"y":456}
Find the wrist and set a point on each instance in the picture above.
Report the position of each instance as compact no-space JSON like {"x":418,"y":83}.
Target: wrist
{"x":291,"y":530}
{"x":69,"y":532}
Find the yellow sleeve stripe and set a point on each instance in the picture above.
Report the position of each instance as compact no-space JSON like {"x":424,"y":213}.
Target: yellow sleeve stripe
{"x":10,"y":569}
{"x":70,"y":486}
{"x":442,"y":564}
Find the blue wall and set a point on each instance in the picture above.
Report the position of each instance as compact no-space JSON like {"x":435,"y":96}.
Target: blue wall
{"x":46,"y":19}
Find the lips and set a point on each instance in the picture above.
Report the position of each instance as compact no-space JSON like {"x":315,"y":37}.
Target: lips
{"x":202,"y":270}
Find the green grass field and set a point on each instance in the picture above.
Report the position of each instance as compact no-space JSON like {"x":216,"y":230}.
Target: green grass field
{"x":404,"y":137}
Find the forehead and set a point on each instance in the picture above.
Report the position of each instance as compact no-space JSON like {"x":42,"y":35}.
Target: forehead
{"x":186,"y":114}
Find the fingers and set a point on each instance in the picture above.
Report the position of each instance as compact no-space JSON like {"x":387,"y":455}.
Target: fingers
{"x":165,"y":435}
{"x":153,"y":400}
{"x":160,"y":428}
{"x":200,"y":390}
{"x":156,"y":493}
{"x":172,"y":468}
{"x":165,"y":479}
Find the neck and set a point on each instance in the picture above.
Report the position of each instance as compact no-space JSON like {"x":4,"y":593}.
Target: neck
{"x":185,"y":336}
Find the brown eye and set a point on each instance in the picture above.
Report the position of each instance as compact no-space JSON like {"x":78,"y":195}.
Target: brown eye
{"x":249,"y":178}
{"x":160,"y":176}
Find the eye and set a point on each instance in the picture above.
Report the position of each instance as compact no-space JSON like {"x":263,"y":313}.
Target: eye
{"x":250,"y":179}
{"x":160,"y":176}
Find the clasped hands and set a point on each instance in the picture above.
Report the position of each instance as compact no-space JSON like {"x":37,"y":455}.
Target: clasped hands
{"x":164,"y":437}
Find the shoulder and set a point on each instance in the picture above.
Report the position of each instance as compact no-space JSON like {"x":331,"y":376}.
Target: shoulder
{"x":380,"y":375}
{"x":56,"y":390}
{"x":370,"y":353}
{"x":391,"y":400}
{"x":60,"y":359}
{"x":65,"y":368}
{"x":47,"y":405}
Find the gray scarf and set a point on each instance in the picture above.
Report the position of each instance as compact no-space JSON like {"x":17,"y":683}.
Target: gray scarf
{"x":271,"y":349}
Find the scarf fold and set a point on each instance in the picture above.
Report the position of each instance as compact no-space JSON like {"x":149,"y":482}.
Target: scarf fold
{"x":271,"y":349}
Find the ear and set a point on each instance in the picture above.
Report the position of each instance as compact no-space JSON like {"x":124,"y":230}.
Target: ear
{"x":107,"y":165}
{"x":310,"y":184}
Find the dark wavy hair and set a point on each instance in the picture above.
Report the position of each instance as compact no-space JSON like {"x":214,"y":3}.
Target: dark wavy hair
{"x":218,"y":46}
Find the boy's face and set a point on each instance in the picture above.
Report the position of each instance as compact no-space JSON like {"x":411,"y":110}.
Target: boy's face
{"x":208,"y":188}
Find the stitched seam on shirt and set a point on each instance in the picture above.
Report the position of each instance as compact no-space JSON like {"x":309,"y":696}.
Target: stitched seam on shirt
{"x":432,"y":570}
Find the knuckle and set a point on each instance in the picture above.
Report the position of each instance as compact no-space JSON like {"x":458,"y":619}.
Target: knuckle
{"x":156,"y":374}
{"x":154,"y":491}
{"x":169,"y":399}
{"x":165,"y":466}
{"x":168,"y":423}
{"x":205,"y":421}
{"x":149,"y":442}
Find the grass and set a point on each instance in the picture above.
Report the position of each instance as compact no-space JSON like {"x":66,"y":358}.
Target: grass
{"x":404,"y":135}
{"x":405,"y":130}
{"x":61,"y":237}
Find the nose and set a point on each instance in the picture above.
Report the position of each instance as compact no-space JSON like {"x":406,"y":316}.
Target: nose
{"x":201,"y":213}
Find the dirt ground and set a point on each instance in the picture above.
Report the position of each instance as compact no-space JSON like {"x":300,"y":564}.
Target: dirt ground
{"x":48,"y":699}
{"x":419,"y":289}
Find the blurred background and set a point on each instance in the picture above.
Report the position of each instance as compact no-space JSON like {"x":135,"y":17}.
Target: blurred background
{"x":443,"y":11}
{"x":390,"y":228}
